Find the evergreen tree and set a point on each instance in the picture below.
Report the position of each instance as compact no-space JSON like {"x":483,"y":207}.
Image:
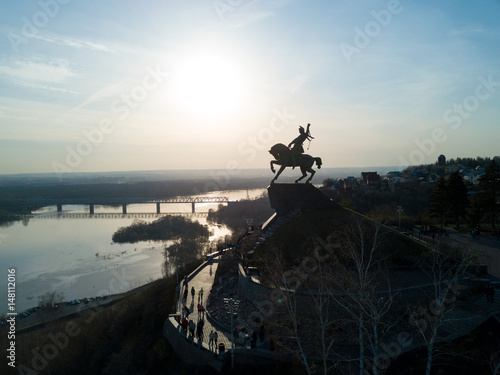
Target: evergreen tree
{"x":489,"y":184}
{"x":438,"y":201}
{"x":477,"y":209}
{"x":457,"y":197}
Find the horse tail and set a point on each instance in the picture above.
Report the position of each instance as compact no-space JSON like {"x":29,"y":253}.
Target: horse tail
{"x":318,"y":162}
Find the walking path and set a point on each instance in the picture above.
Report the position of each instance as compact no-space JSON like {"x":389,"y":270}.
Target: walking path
{"x":487,"y":245}
{"x":464,"y":319}
{"x":204,"y":278}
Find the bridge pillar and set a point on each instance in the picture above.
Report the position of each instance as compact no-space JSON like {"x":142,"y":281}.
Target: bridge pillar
{"x":193,"y":207}
{"x":124,"y":208}
{"x":59,"y":208}
{"x":158,"y":207}
{"x":91,"y":208}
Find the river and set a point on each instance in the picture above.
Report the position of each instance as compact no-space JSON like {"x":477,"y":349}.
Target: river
{"x":71,"y":252}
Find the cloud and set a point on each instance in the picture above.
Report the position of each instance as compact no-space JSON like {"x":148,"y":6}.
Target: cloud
{"x":71,"y":42}
{"x":55,"y":71}
{"x":245,"y":12}
{"x":103,"y":94}
{"x":475,"y":31}
{"x":50,"y":88}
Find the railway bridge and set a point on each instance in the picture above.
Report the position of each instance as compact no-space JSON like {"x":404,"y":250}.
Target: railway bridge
{"x":92,"y":202}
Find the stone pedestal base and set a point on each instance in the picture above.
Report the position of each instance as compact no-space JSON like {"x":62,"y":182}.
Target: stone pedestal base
{"x":288,"y":197}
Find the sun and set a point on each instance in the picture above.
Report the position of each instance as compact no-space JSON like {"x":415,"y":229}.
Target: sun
{"x":207,"y":84}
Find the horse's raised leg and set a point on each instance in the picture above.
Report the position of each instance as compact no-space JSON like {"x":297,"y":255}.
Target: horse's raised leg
{"x":277,"y":174}
{"x":272,"y":166}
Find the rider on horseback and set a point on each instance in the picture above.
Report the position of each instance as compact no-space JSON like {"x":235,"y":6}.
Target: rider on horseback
{"x":297,"y":148}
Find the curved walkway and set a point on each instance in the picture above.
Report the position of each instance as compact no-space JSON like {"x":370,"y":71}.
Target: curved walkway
{"x":203,"y":277}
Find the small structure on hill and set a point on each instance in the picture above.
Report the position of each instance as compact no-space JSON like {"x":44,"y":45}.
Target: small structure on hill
{"x":441,"y":160}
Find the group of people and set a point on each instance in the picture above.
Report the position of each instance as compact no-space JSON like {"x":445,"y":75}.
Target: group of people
{"x":490,"y":294}
{"x":243,"y":338}
{"x":196,"y":329}
{"x":188,"y":325}
{"x":435,"y":233}
{"x":191,"y":326}
{"x":475,"y":232}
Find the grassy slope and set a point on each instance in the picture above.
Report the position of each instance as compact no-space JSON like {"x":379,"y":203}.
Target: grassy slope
{"x":125,"y":338}
{"x":297,"y":238}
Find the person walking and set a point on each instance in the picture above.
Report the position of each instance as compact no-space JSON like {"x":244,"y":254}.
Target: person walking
{"x":199,"y":329}
{"x":253,"y":339}
{"x":186,"y":311}
{"x":192,"y":293}
{"x":216,"y":337}
{"x":200,"y":295}
{"x":211,"y":340}
{"x":192,"y":327}
{"x":490,"y":294}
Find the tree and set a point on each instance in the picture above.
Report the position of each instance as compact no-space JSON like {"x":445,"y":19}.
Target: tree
{"x":184,"y":250}
{"x":50,"y":299}
{"x":489,"y":184}
{"x":360,"y":277}
{"x":495,"y":363}
{"x":445,"y":269}
{"x":49,"y":305}
{"x":457,"y":197}
{"x":477,"y":209}
{"x":438,"y":201}
{"x":289,"y":324}
{"x":306,"y":320}
{"x":344,"y":297}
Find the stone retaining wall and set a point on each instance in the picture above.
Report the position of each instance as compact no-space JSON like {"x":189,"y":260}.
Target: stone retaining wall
{"x":190,"y":351}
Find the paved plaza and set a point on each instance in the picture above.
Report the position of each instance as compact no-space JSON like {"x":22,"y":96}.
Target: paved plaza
{"x":203,"y":279}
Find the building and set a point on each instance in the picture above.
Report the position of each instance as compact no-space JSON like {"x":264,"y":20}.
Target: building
{"x":370,"y":178}
{"x":441,"y":160}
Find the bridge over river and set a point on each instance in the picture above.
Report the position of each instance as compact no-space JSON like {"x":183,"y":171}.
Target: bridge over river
{"x":92,"y":202}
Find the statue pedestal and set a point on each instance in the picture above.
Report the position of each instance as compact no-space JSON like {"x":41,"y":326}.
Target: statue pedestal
{"x":288,"y":197}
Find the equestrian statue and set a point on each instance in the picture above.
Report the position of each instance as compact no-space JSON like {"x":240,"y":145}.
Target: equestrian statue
{"x":295,"y":156}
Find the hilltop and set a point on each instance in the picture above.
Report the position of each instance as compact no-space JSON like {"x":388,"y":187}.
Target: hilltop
{"x":297,"y":239}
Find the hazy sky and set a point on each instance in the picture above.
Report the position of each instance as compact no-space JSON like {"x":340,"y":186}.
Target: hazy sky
{"x":212,"y":84}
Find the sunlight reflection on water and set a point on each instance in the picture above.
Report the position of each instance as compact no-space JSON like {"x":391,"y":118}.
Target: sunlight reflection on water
{"x":76,"y":256}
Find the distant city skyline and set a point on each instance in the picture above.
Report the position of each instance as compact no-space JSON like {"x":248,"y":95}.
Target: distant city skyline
{"x":126,"y":85}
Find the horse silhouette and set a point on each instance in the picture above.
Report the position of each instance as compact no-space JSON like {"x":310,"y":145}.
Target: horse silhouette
{"x":283,"y":156}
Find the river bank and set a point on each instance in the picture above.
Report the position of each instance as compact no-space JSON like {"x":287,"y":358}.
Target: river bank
{"x":72,"y":252}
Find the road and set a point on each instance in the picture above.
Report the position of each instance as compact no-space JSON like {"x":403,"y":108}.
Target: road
{"x":488,"y":246}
